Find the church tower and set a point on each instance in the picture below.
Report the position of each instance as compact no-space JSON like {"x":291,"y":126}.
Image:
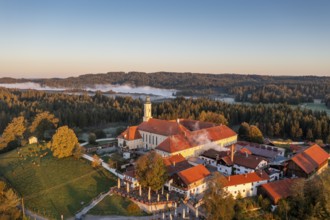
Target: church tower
{"x":147,"y":109}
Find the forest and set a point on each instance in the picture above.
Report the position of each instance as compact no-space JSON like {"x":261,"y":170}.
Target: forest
{"x":246,"y":88}
{"x":81,"y":111}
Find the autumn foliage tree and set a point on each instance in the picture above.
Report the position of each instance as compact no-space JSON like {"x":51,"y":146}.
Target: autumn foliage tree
{"x":96,"y":161}
{"x":8,"y":203}
{"x":42,"y":122}
{"x":255,"y":134}
{"x":250,"y":133}
{"x":213,"y":117}
{"x":218,"y":203}
{"x":63,"y":142}
{"x":13,"y":133}
{"x":151,"y":171}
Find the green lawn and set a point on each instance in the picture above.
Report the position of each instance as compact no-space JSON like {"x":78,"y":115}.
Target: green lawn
{"x":114,"y":205}
{"x":53,"y":186}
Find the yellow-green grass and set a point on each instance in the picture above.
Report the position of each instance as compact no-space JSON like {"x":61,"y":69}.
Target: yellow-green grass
{"x":51,"y":186}
{"x":114,"y":206}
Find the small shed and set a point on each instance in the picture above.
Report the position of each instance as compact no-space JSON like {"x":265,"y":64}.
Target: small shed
{"x":33,"y":140}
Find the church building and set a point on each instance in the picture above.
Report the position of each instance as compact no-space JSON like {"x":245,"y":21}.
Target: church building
{"x":171,"y":137}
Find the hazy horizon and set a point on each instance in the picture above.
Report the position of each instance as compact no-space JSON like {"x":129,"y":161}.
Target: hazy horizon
{"x":46,"y":39}
{"x":76,"y":75}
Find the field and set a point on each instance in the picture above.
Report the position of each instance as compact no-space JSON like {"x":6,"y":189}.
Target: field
{"x":316,"y":107}
{"x":114,"y":205}
{"x":50,"y":186}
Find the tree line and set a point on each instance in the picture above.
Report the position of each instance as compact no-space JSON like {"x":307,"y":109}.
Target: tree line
{"x":81,"y":111}
{"x":247,"y":88}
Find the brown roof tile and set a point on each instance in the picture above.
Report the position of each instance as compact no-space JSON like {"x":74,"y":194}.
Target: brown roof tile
{"x":214,"y":154}
{"x":279,"y":189}
{"x":247,"y":160}
{"x":311,"y":158}
{"x":176,"y":163}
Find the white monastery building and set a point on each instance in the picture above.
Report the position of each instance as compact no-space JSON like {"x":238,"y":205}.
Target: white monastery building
{"x":170,"y":137}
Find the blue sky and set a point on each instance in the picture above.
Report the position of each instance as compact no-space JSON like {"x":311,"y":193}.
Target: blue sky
{"x":73,"y":37}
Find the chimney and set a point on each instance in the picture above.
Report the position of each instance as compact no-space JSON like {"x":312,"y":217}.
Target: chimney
{"x":228,"y":178}
{"x":174,"y":163}
{"x":232,"y":152}
{"x":177,"y":120}
{"x":246,"y":154}
{"x":245,"y":175}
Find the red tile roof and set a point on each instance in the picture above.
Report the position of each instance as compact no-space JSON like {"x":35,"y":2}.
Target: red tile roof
{"x":174,"y":143}
{"x":176,"y":163}
{"x":196,"y":138}
{"x":172,"y":160}
{"x":311,"y":158}
{"x":279,"y":189}
{"x":194,"y":125}
{"x":162,"y":127}
{"x":245,"y":150}
{"x":131,"y":133}
{"x":245,"y":178}
{"x":193,"y":174}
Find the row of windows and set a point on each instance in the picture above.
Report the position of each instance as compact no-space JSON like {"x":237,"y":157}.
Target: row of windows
{"x":150,"y":139}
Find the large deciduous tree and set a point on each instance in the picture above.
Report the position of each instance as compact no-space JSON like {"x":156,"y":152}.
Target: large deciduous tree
{"x":42,"y":122}
{"x":255,"y":135}
{"x":151,"y":171}
{"x":63,"y":142}
{"x":8,"y":203}
{"x":218,"y":203}
{"x":14,"y":132}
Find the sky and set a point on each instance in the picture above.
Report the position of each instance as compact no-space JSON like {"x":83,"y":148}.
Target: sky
{"x":65,"y":38}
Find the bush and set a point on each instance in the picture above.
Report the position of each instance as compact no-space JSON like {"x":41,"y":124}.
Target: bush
{"x":133,"y":209}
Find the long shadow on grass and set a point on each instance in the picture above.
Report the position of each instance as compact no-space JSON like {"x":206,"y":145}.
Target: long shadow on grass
{"x":77,"y":197}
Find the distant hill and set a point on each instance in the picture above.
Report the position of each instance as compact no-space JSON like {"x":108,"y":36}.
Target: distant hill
{"x":252,"y":88}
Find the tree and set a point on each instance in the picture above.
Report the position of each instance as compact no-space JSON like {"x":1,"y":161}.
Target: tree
{"x":255,"y":135}
{"x":283,"y":209}
{"x":42,"y":122}
{"x":218,"y":203}
{"x":78,"y":151}
{"x":244,"y":130}
{"x":151,"y":171}
{"x":213,"y":117}
{"x":63,"y":142}
{"x":8,"y":203}
{"x":92,"y":138}
{"x":14,"y":132}
{"x":96,"y":161}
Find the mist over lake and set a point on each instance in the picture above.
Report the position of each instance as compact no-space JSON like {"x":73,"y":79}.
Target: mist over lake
{"x":98,"y":87}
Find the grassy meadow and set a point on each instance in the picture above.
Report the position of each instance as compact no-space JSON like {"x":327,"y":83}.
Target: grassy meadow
{"x":51,"y":186}
{"x":114,"y":205}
